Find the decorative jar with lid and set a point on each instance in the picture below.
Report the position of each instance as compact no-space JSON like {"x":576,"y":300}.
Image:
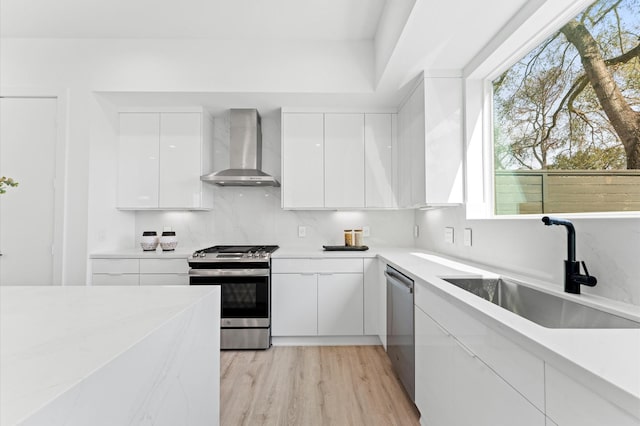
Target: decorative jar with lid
{"x":168,"y":241}
{"x":149,"y":240}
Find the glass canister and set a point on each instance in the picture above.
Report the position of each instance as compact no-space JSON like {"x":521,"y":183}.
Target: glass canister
{"x":149,"y":241}
{"x":357,"y":237}
{"x":348,"y":237}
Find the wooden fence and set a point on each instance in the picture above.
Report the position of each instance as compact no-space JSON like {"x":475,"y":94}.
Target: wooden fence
{"x":562,"y":191}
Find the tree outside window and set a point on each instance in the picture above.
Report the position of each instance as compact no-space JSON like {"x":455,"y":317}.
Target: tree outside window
{"x":567,"y":118}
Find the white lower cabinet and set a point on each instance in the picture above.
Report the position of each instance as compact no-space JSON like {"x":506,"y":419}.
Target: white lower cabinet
{"x":129,"y":271}
{"x":522,"y":369}
{"x":115,"y":279}
{"x":340,"y":305}
{"x":317,"y":297}
{"x":382,"y":304}
{"x":570,"y":403}
{"x":115,"y":272}
{"x":294,"y":304}
{"x":435,"y":372}
{"x":455,"y":387}
{"x":371,"y":297}
{"x":164,"y":279}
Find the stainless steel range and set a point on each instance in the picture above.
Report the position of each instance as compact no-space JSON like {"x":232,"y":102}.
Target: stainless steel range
{"x":244,"y":275}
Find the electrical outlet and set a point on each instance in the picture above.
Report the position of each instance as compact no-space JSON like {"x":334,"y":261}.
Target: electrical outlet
{"x":302,"y":231}
{"x":448,"y":235}
{"x":416,"y":231}
{"x":467,"y":237}
{"x":366,"y":231}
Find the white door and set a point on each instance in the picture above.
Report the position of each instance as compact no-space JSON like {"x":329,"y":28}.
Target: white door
{"x":27,"y":154}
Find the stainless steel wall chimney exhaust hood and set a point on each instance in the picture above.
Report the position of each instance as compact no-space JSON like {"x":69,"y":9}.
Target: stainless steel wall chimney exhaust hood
{"x":245,"y":153}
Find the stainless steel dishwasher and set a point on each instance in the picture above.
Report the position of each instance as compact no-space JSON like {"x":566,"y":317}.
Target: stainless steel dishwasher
{"x":400,"y":337}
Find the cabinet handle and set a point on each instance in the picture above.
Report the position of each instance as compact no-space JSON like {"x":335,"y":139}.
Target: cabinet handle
{"x":464,"y":348}
{"x":325,"y":273}
{"x":442,"y":329}
{"x":306,"y":274}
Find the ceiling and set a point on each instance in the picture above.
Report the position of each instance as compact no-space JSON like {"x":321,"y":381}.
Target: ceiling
{"x":213,"y":19}
{"x":434,"y":36}
{"x":439,"y":39}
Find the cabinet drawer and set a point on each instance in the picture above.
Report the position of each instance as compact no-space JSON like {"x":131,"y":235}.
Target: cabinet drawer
{"x":571,"y":403}
{"x":114,"y":279}
{"x":448,"y":375}
{"x":305,"y":266}
{"x":522,"y":370}
{"x":164,"y":279}
{"x":115,"y":266}
{"x":164,"y":266}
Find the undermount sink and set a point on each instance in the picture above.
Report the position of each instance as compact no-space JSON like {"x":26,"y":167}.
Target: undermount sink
{"x":542,"y":308}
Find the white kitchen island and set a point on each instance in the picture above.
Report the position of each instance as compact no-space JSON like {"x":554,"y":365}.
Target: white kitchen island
{"x":109,"y":355}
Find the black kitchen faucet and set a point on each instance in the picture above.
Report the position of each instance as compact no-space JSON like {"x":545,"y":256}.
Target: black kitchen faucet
{"x":572,"y":276}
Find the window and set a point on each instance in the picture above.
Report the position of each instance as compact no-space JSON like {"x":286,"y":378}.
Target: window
{"x":566,"y":118}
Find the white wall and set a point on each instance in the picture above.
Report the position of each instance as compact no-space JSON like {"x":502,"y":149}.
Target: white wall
{"x":191,"y":65}
{"x":609,"y":247}
{"x":80,"y":67}
{"x":253,"y":215}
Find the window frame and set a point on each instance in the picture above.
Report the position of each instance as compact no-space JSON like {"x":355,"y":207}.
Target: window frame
{"x":513,"y":42}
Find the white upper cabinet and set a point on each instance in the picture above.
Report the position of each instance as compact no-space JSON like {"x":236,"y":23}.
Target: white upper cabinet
{"x":430,"y":144}
{"x":303,"y":160}
{"x":138,"y":160}
{"x":180,"y":157}
{"x":344,"y":160}
{"x":338,"y":160}
{"x":161,"y":156}
{"x":379,"y":154}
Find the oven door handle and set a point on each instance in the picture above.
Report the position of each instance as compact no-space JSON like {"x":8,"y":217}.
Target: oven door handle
{"x":229,"y":272}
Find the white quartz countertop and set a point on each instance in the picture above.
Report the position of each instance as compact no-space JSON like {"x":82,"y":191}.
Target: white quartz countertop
{"x":138,"y":253}
{"x":607,"y":360}
{"x":51,"y":338}
{"x":319,"y":252}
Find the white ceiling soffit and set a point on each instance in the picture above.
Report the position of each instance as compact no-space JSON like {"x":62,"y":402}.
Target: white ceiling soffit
{"x":213,"y":19}
{"x":269,"y":104}
{"x":441,"y":37}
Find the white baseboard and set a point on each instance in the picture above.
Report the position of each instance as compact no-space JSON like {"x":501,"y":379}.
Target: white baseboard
{"x":325,"y":341}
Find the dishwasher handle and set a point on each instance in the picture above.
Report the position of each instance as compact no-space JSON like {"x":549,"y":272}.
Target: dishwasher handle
{"x":399,"y":282}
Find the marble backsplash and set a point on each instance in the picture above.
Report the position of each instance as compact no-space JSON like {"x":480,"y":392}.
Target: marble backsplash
{"x":525,"y":246}
{"x":254,"y":216}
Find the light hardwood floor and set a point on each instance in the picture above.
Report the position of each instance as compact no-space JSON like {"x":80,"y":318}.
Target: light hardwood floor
{"x":312,"y":385}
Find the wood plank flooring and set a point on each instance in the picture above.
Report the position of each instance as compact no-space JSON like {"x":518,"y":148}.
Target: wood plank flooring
{"x":312,"y":385}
